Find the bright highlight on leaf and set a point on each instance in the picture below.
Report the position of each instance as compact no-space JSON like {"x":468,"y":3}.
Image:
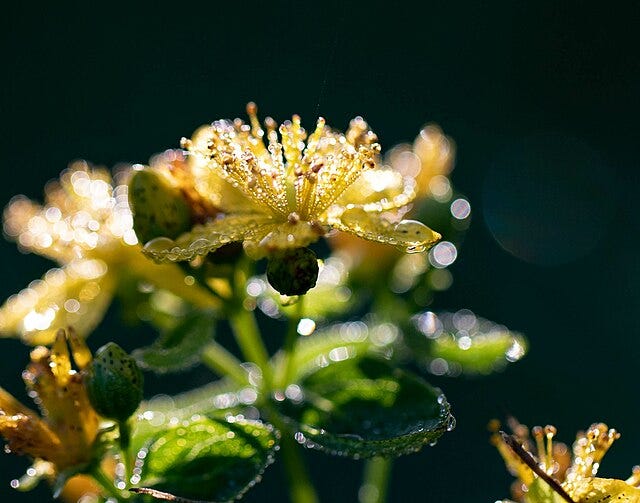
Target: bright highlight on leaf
{"x":463,"y":343}
{"x":208,"y":459}
{"x":363,"y":407}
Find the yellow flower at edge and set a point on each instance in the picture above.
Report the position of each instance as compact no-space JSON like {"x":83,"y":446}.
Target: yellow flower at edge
{"x":290,"y":190}
{"x":64,"y":436}
{"x":545,"y":475}
{"x":86,"y":226}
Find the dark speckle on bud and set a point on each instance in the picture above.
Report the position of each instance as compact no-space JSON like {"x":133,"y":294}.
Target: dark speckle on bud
{"x":114,"y":383}
{"x":293,"y":272}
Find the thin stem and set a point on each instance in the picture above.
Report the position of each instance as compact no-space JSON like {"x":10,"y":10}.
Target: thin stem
{"x":301,"y":488}
{"x":172,"y":278}
{"x":376,"y":480}
{"x":223,"y":363}
{"x":289,"y":346}
{"x":107,"y":484}
{"x":247,"y":334}
{"x":125,"y":443}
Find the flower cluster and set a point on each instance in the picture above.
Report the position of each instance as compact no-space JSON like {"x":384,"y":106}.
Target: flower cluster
{"x":290,"y":191}
{"x":63,"y":437}
{"x":86,"y":226}
{"x":547,"y":473}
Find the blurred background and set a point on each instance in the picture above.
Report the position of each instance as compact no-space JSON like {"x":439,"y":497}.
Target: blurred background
{"x":541,"y":99}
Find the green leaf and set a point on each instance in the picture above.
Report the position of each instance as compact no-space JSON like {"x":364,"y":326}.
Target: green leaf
{"x":461,"y":342}
{"x":212,"y":459}
{"x":219,"y":398}
{"x":336,"y":343}
{"x":364,"y":407}
{"x":178,"y":348}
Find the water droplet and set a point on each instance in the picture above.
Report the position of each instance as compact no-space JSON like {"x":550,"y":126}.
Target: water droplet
{"x":160,"y":244}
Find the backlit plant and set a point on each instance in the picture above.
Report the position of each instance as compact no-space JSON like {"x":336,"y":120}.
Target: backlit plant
{"x":247,"y":221}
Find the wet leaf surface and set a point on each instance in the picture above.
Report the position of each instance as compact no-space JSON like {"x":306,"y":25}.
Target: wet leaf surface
{"x":363,"y":407}
{"x":205,"y":458}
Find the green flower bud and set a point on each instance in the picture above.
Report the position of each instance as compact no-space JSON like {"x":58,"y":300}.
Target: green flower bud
{"x":114,"y":383}
{"x":158,"y":208}
{"x":293,"y":272}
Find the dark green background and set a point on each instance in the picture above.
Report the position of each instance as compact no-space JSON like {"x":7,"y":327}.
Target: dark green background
{"x":541,"y":98}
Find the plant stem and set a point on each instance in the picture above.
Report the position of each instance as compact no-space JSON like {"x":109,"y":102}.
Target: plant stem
{"x":289,"y":346}
{"x":247,"y":334}
{"x":301,"y":488}
{"x":172,"y":278}
{"x":223,"y":363}
{"x":107,"y":484}
{"x":376,"y":480}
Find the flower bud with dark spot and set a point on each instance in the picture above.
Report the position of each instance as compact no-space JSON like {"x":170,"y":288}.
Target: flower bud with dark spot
{"x":114,"y":383}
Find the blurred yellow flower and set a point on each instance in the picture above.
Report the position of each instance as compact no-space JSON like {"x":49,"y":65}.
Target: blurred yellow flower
{"x":288,"y":192}
{"x":86,"y":226}
{"x":429,"y":161}
{"x":64,"y":436}
{"x":547,"y":474}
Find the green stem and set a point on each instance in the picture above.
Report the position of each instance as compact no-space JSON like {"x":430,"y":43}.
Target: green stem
{"x":125,"y":443}
{"x":376,"y":480}
{"x":107,"y":484}
{"x":247,"y":334}
{"x":301,"y":488}
{"x":223,"y":363}
{"x":289,"y":346}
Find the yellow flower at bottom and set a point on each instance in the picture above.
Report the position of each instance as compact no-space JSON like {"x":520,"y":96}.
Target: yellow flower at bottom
{"x":290,"y":191}
{"x":543,"y":470}
{"x":64,"y":436}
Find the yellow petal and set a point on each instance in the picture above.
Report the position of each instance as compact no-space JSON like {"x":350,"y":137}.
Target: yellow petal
{"x":76,"y":295}
{"x":168,"y":277}
{"x":79,"y":349}
{"x":60,"y":361}
{"x":65,"y":406}
{"x":26,"y":222}
{"x":379,"y":190}
{"x":409,"y":236}
{"x":10,"y":406}
{"x":207,"y":238}
{"x":282,"y":236}
{"x":597,"y":490}
{"x":31,"y":436}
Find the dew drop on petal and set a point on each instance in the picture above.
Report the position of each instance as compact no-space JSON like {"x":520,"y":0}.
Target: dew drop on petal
{"x":160,"y":244}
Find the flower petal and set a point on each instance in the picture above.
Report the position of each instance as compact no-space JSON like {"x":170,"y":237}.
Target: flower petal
{"x":282,"y":237}
{"x":10,"y":406}
{"x":409,"y":236}
{"x":75,"y":295}
{"x":29,"y":435}
{"x":379,"y":190}
{"x":209,"y":237}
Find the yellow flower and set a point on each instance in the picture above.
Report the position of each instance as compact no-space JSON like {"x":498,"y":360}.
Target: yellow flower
{"x":545,"y":475}
{"x":64,"y":436}
{"x":292,"y":189}
{"x":429,"y":160}
{"x":86,"y":226}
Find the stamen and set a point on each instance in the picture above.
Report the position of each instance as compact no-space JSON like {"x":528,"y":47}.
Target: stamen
{"x":550,"y":432}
